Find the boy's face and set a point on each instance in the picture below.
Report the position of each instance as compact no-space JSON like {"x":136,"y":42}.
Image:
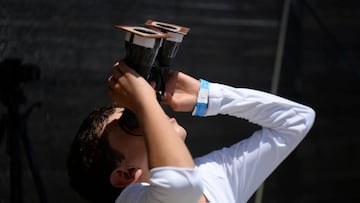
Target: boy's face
{"x":132,"y":147}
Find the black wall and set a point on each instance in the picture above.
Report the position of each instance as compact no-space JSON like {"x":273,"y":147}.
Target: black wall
{"x":233,"y":42}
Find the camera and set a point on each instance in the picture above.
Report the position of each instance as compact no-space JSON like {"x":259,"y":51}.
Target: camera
{"x":13,"y":73}
{"x":150,"y":50}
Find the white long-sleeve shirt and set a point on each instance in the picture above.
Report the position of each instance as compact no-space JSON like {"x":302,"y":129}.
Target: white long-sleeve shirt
{"x":231,"y":175}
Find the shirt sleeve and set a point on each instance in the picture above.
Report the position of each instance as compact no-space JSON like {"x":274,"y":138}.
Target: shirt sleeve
{"x":262,"y":108}
{"x":167,"y":184}
{"x":248,"y":163}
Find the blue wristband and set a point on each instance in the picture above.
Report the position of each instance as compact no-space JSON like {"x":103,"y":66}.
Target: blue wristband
{"x":202,"y":99}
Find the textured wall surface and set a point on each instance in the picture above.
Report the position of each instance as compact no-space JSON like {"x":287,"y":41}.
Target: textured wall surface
{"x":233,"y":42}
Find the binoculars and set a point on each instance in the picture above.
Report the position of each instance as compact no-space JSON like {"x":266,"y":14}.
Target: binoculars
{"x":150,"y":50}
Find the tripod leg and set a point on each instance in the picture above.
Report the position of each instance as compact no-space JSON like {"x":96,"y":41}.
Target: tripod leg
{"x":34,"y":169}
{"x":13,"y":137}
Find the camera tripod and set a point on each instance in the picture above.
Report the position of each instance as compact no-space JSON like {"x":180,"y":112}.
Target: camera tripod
{"x":13,"y":127}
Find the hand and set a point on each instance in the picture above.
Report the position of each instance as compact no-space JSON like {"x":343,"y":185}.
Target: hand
{"x":181,"y":91}
{"x":128,"y":88}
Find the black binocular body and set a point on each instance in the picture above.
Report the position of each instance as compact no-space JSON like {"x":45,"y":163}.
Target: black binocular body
{"x":150,"y":51}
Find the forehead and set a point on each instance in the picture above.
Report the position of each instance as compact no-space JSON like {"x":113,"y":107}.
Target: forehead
{"x":116,"y":115}
{"x":112,"y":129}
{"x":110,"y":120}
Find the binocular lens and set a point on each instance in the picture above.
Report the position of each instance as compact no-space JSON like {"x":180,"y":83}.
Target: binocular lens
{"x":128,"y":123}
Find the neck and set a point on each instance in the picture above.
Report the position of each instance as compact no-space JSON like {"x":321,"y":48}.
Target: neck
{"x":145,"y":177}
{"x":203,"y":199}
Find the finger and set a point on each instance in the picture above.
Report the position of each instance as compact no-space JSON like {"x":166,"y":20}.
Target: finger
{"x":171,"y":81}
{"x":116,"y":64}
{"x":116,"y":72}
{"x":113,"y":82}
{"x":123,"y":67}
{"x":172,"y":73}
{"x":166,"y":98}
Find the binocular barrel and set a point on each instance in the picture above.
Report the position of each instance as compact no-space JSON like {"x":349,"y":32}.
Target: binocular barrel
{"x":171,"y":44}
{"x":141,"y":48}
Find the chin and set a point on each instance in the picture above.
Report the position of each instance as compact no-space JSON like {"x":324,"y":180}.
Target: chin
{"x":181,"y":132}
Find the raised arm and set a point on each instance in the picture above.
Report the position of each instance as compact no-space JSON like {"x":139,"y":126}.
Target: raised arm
{"x":164,"y":147}
{"x":249,"y":162}
{"x":173,"y":176}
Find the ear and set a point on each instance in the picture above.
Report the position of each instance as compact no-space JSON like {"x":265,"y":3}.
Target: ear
{"x":121,"y":178}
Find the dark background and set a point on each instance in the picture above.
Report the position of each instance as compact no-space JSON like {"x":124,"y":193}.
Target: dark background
{"x":233,"y":42}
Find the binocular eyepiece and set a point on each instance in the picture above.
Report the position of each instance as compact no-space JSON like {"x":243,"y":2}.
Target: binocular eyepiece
{"x":150,"y":51}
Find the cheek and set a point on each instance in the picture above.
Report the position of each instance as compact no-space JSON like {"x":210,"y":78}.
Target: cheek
{"x":136,"y":150}
{"x":131,"y":146}
{"x":137,"y":144}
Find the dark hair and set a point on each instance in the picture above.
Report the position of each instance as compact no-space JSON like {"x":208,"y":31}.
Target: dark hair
{"x":91,"y":159}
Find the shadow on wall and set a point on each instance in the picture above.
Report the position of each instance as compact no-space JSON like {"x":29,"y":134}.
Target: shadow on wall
{"x":13,"y":127}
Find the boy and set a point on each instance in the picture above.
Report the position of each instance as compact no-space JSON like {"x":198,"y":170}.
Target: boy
{"x":108,"y":164}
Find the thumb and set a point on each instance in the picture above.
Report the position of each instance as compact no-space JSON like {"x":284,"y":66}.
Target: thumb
{"x":152,"y":84}
{"x":166,"y":98}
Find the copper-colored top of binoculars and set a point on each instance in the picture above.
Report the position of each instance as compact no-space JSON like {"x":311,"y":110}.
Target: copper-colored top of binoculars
{"x":143,"y":31}
{"x":168,"y":27}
